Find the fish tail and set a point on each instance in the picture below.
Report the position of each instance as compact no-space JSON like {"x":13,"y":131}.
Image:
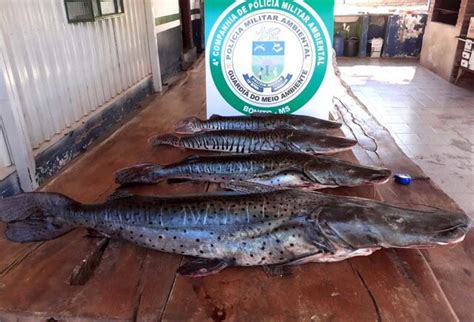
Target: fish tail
{"x":167,"y":139}
{"x":34,"y":216}
{"x":139,"y":173}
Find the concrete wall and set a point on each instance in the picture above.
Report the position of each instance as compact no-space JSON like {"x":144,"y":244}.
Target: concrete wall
{"x":439,"y":48}
{"x":440,"y":45}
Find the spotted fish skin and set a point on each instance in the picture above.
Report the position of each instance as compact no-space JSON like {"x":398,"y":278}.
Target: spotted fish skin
{"x":246,"y":230}
{"x":276,"y":169}
{"x":255,"y":122}
{"x":237,"y":141}
{"x":274,"y":228}
{"x":235,"y":227}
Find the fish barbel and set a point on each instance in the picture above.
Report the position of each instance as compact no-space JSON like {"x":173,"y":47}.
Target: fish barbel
{"x":284,"y":227}
{"x":242,"y":141}
{"x":275,"y":169}
{"x":255,"y":122}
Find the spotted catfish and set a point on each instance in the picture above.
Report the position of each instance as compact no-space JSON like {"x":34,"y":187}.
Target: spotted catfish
{"x":275,"y":169}
{"x":274,"y":229}
{"x":255,"y":121}
{"x":238,"y":141}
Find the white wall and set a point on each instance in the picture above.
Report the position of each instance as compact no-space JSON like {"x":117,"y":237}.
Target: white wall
{"x":195,"y":4}
{"x":15,"y":146}
{"x":63,"y":72}
{"x":166,"y":8}
{"x":4,"y":154}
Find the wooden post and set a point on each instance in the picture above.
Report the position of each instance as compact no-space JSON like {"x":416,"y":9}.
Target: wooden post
{"x":185,"y":9}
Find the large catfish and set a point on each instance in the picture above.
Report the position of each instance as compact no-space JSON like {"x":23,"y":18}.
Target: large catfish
{"x":277,"y":169}
{"x":242,"y":141}
{"x":274,"y":229}
{"x":255,"y":122}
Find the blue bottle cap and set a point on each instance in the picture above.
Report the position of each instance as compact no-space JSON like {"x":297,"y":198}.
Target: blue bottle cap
{"x":403,"y":179}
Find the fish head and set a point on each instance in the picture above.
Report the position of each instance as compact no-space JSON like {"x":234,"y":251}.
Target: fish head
{"x":313,"y":143}
{"x":188,"y":125}
{"x":332,"y":172}
{"x":378,"y":225}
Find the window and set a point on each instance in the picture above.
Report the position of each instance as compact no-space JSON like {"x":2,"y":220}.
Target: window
{"x":91,"y":10}
{"x":446,"y":11}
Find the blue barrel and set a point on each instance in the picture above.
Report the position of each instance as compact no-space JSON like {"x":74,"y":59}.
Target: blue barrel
{"x":339,"y":45}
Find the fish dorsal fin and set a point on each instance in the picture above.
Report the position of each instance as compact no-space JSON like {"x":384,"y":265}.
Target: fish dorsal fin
{"x":215,"y":117}
{"x":119,"y":194}
{"x":203,"y":267}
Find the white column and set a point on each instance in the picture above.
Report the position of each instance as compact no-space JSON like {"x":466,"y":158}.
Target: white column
{"x":153,"y":46}
{"x":14,"y":125}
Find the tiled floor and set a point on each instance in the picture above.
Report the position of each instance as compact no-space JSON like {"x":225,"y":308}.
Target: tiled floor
{"x":431,"y":119}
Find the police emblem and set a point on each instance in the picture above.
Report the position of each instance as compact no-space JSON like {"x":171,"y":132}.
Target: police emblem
{"x":268,"y":56}
{"x":268,"y":62}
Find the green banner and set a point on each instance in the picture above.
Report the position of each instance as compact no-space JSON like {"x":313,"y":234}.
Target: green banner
{"x":268,"y":56}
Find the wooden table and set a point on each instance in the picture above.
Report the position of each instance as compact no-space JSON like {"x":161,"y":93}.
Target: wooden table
{"x":132,"y":283}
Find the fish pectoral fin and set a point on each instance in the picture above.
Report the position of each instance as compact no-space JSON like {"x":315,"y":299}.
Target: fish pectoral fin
{"x":120,"y":194}
{"x":274,"y":173}
{"x":276,"y":270}
{"x":246,"y":187}
{"x":307,"y":172}
{"x":317,"y":237}
{"x":203,"y":267}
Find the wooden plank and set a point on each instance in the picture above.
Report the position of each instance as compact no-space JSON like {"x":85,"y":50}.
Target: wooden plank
{"x":34,"y":284}
{"x":313,"y":292}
